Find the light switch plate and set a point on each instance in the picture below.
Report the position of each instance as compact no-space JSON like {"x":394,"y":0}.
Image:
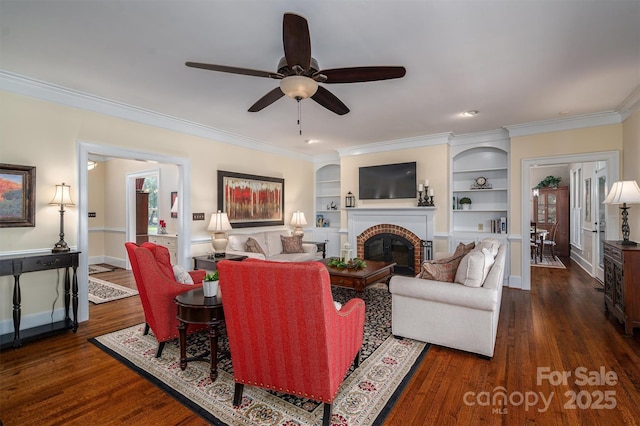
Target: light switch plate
{"x":198,"y":216}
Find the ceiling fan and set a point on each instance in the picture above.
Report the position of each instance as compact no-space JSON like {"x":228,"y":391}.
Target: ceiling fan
{"x":299,"y":73}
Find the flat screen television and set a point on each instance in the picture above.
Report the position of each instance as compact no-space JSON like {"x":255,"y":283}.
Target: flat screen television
{"x":388,"y":181}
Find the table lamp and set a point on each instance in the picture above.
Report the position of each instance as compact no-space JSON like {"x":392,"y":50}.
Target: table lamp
{"x":624,"y":192}
{"x":61,"y":198}
{"x":219,"y":224}
{"x":298,"y":221}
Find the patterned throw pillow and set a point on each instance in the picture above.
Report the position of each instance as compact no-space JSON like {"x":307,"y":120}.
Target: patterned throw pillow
{"x":291,"y":244}
{"x":181,"y":275}
{"x":253,"y":246}
{"x":464,"y":248}
{"x":474,"y":268}
{"x":441,"y":269}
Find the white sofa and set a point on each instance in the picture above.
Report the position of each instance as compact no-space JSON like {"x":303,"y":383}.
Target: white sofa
{"x":271,"y":244}
{"x":450,"y":314}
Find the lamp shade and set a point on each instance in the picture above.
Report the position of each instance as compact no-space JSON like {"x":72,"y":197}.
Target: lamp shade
{"x":298,"y":86}
{"x":62,"y":196}
{"x":219,"y":222}
{"x":625,"y":191}
{"x":298,"y":219}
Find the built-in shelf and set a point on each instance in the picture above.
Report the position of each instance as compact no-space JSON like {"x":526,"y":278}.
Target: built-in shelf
{"x":328,"y":192}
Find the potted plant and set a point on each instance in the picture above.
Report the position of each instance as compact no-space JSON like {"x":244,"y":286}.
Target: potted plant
{"x":210,"y":284}
{"x":465,"y":202}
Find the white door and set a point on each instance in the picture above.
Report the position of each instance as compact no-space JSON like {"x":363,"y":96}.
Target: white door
{"x":601,"y":189}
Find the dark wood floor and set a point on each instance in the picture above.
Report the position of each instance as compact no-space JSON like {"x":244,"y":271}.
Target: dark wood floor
{"x":558,"y":326}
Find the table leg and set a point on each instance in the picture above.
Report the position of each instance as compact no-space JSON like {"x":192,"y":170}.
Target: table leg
{"x":74,"y":298}
{"x":16,"y":311}
{"x":182,"y":331}
{"x":213,"y":343}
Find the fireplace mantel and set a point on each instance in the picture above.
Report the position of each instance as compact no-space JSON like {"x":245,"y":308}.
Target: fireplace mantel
{"x":418,"y":220}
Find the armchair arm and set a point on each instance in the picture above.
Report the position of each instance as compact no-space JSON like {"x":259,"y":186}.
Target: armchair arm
{"x":197,"y":275}
{"x":248,"y":254}
{"x":346,"y":334}
{"x":310,"y":248}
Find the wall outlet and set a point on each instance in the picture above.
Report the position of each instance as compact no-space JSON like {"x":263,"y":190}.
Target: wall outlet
{"x":480,"y":226}
{"x":92,"y":214}
{"x":198,"y":216}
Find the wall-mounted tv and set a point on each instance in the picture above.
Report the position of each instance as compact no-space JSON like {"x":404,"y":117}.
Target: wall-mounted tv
{"x":388,"y":181}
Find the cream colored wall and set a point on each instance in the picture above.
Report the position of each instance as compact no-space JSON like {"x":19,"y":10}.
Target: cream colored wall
{"x":568,"y":142}
{"x":631,"y":166}
{"x":432,"y":163}
{"x":96,"y":204}
{"x":45,"y":135}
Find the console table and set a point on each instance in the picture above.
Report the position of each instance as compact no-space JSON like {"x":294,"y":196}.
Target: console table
{"x":18,"y":265}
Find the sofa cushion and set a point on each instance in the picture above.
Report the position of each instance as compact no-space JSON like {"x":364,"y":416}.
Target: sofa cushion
{"x":181,"y":275}
{"x":274,"y":244}
{"x":441,"y":269}
{"x":291,"y":244}
{"x":474,"y":267}
{"x":253,"y":246}
{"x":237,"y":242}
{"x":292,"y":257}
{"x":489,"y":243}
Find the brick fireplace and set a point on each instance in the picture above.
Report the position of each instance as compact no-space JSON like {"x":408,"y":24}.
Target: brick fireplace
{"x":406,"y":250}
{"x":411,"y":223}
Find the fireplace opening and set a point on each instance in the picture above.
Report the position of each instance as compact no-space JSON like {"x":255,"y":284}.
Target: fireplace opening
{"x":391,"y":248}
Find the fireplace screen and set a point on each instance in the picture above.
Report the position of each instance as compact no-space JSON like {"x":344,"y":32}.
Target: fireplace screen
{"x":391,"y":248}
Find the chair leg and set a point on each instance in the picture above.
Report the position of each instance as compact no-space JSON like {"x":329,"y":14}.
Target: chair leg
{"x":326,"y":416}
{"x":146,"y":329}
{"x":237,"y":394}
{"x":160,"y":348}
{"x":356,"y":362}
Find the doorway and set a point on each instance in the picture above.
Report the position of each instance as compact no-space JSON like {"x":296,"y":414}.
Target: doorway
{"x":610,"y":159}
{"x":184,"y":225}
{"x":601,"y":189}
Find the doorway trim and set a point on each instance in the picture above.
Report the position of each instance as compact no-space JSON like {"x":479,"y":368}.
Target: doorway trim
{"x":612,"y":159}
{"x":184,"y":202}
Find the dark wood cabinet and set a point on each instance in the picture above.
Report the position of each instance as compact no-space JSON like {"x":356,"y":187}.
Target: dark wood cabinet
{"x":142,"y":217}
{"x":622,"y":283}
{"x":549,"y":207}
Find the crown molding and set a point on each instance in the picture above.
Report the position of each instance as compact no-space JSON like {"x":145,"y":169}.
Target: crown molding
{"x":560,"y":124}
{"x":480,"y":137}
{"x":26,"y":86}
{"x":397,"y":144}
{"x":630,"y":105}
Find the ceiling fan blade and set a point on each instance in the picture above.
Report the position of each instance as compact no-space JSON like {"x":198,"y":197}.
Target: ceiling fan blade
{"x":362,"y":74}
{"x":296,"y":40}
{"x":330,"y":101}
{"x":267,"y":100}
{"x":234,"y":70}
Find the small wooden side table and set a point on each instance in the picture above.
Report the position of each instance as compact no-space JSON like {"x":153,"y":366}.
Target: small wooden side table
{"x":322,"y":246}
{"x":209,"y":263}
{"x":194,"y":308}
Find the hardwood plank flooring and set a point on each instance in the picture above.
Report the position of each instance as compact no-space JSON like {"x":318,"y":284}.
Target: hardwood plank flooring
{"x":560,"y":325}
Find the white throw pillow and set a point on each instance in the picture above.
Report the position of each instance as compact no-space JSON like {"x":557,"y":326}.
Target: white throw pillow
{"x":474,"y":268}
{"x":237,"y":242}
{"x":489,"y":243}
{"x":181,"y":275}
{"x":274,"y":244}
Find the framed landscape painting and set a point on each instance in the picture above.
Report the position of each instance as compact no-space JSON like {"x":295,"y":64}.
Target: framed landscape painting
{"x":17,"y":196}
{"x":251,"y":200}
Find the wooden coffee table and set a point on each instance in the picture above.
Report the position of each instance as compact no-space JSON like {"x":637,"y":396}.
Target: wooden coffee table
{"x":194,"y":308}
{"x":358,"y":279}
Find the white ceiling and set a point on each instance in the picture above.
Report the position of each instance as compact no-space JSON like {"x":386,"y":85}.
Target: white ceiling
{"x":514,"y":61}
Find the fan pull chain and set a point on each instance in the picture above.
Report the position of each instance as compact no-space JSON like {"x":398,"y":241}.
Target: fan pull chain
{"x":299,"y":116}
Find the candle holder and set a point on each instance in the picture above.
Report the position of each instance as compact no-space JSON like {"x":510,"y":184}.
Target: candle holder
{"x":422,"y":202}
{"x":430,"y":202}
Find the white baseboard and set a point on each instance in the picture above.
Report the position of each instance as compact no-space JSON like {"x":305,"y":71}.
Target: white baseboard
{"x":32,"y":320}
{"x":515,"y":282}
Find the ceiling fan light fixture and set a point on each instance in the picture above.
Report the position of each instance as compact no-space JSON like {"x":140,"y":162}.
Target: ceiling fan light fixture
{"x":470,"y":113}
{"x":298,"y":87}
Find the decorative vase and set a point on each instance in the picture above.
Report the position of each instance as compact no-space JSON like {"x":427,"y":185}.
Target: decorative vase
{"x":210,"y":288}
{"x":466,"y":207}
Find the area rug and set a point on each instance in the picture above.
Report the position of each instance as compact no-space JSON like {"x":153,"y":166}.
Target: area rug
{"x":97,"y":269}
{"x":365,"y":397}
{"x":549,"y":261}
{"x":101,"y":291}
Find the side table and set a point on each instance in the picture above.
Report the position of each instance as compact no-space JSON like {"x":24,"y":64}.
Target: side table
{"x":322,"y":246}
{"x":194,"y":308}
{"x":208,"y":263}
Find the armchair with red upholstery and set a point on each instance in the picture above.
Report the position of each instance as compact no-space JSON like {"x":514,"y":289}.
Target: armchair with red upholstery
{"x":285,"y":333}
{"x":152,"y":270}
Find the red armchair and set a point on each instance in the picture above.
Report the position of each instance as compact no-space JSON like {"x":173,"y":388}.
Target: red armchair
{"x":284,"y":331}
{"x":152,"y":270}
